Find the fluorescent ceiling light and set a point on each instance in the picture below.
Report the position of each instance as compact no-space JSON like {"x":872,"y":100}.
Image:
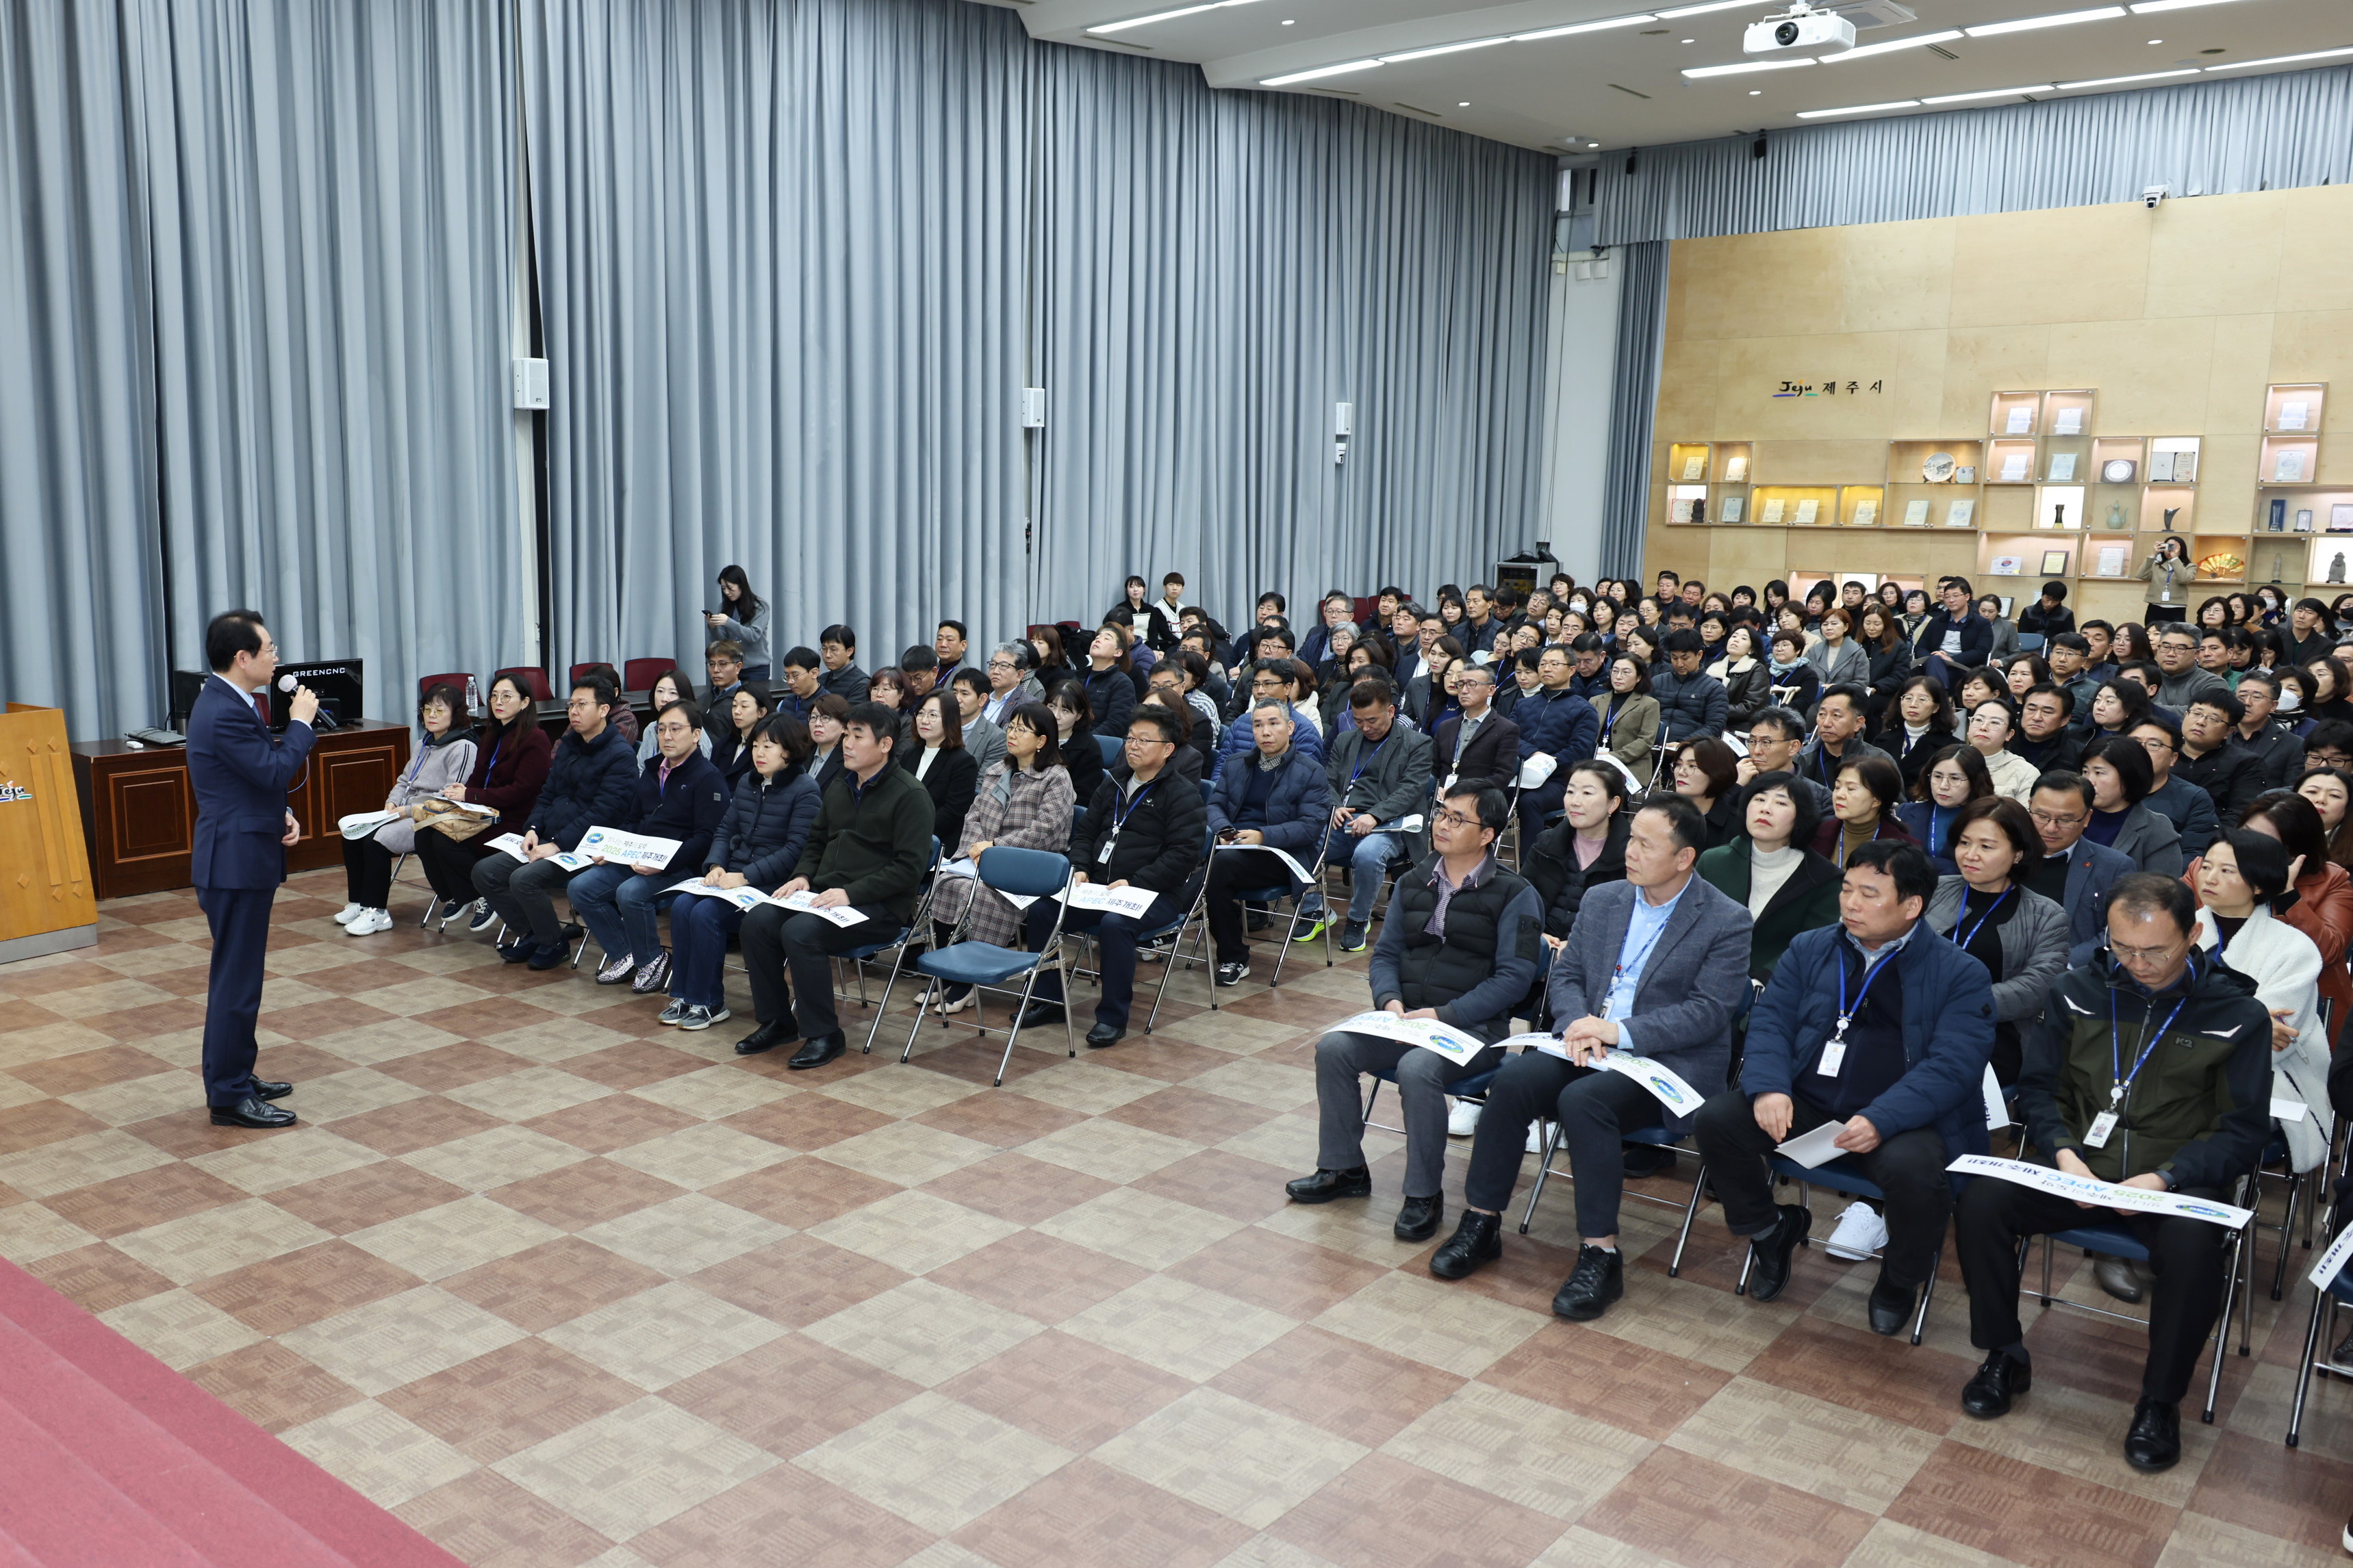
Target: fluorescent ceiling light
{"x":2142,"y":7}
{"x":1701,"y":10}
{"x":1858,"y":108}
{"x":1588,"y":27}
{"x":2058,"y":19}
{"x":1318,"y":71}
{"x":2282,"y":60}
{"x":1996,"y":92}
{"x":1442,"y":50}
{"x":1868,"y":50}
{"x":2120,"y":81}
{"x":1168,"y":16}
{"x":1747,"y":65}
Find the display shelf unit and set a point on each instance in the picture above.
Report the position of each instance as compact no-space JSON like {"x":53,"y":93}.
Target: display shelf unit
{"x":1796,"y":506}
{"x":1862,"y":506}
{"x":2303,"y":528}
{"x":1687,"y":462}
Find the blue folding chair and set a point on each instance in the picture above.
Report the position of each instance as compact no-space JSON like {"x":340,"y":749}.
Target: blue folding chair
{"x":1839,"y":1178}
{"x":858,"y":956}
{"x":2117,"y":1240}
{"x":985,"y":966}
{"x":1652,"y":1137}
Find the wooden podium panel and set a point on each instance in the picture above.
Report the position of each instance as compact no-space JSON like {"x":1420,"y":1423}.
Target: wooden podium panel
{"x":47,"y":904}
{"x":139,"y":815}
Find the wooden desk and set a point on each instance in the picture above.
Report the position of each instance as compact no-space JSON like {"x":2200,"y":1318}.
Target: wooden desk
{"x":139,"y":815}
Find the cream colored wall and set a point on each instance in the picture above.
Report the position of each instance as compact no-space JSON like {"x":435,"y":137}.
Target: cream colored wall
{"x":2178,"y":318}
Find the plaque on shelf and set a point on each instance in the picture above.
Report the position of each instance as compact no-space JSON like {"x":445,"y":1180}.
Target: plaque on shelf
{"x":1866,"y":512}
{"x":1938,"y":468}
{"x":2303,"y":519}
{"x":2340,"y":516}
{"x":1735,"y":469}
{"x":2293,"y":414}
{"x":2116,"y":471}
{"x":2021,"y":421}
{"x":1915,"y":514}
{"x":2063,"y":466}
{"x":1695,"y":466}
{"x":1772,"y":512}
{"x":2160,"y":467}
{"x":1967,"y":474}
{"x":2071,"y":422}
{"x":2289,"y":469}
{"x":1730,"y":508}
{"x":1807,"y":510}
{"x":1680,"y":510}
{"x":2185,"y":467}
{"x":2054,"y":563}
{"x":2007,"y":566}
{"x":2013,"y":468}
{"x":1960,"y":513}
{"x":2110,"y":561}
{"x":2276,"y":520}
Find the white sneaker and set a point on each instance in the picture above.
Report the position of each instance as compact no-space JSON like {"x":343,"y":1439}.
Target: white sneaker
{"x":367,"y":922}
{"x":1537,"y":1132}
{"x":1859,"y":1234}
{"x":349,"y":913}
{"x":1464,"y":1120}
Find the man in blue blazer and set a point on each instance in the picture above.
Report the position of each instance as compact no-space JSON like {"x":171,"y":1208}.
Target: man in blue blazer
{"x":1656,"y":965}
{"x":240,"y":772}
{"x":1882,"y":1025}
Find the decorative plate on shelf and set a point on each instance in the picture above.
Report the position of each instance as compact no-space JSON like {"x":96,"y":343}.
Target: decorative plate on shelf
{"x":2118,"y":471}
{"x":1938,"y":468}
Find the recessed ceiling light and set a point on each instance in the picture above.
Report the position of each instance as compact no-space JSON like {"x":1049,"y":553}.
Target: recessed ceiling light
{"x":1464,"y":104}
{"x":1593,"y":143}
{"x":1755,"y":93}
{"x":1687,"y":40}
{"x":1290,"y":22}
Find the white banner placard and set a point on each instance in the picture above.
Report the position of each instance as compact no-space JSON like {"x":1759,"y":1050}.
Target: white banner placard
{"x":746,"y":899}
{"x":1298,"y":873}
{"x":805,"y":902}
{"x":510,"y":843}
{"x":1130,"y":901}
{"x":1665,"y":1086}
{"x":632,"y":849}
{"x":2332,"y":1262}
{"x":1457,"y":1045}
{"x":2099,"y":1194}
{"x":364,"y":823}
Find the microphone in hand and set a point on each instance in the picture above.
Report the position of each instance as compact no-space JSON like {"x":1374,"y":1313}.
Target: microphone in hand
{"x":304,"y":709}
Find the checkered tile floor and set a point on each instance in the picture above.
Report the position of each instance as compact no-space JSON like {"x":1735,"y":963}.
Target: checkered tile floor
{"x":559,"y":1286}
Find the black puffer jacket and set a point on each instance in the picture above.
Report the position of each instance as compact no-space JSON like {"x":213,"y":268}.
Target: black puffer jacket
{"x":1552,"y":869}
{"x":767,"y":828}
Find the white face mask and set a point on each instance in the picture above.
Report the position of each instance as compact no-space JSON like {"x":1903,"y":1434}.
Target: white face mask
{"x":2290,"y":699}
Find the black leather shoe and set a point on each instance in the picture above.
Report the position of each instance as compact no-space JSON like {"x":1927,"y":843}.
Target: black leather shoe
{"x":819,"y":1051}
{"x":2155,"y":1441}
{"x":1103,"y":1035}
{"x":1772,"y":1251}
{"x":515,"y":952}
{"x":1891,"y":1306}
{"x":1324,"y":1185}
{"x":251,"y":1111}
{"x":263,"y":1089}
{"x":1598,"y":1278}
{"x":1478,"y":1239}
{"x":767,"y":1037}
{"x":1039,"y":1014}
{"x":2001,"y":1380}
{"x":1417,"y":1220}
{"x":1645,"y":1160}
{"x":2117,"y":1277}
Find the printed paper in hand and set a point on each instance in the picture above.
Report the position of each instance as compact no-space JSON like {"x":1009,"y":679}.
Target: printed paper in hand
{"x":1298,"y":873}
{"x":744,"y":898}
{"x":1819,"y":1147}
{"x":511,"y":843}
{"x":573,"y":860}
{"x":364,"y":823}
{"x":1997,"y":1112}
{"x":628,"y":848}
{"x":1669,"y":1089}
{"x":2332,"y":1262}
{"x":2101,"y":1194}
{"x":805,"y":903}
{"x":1129,"y":901}
{"x":1455,"y":1044}
{"x":960,"y":868}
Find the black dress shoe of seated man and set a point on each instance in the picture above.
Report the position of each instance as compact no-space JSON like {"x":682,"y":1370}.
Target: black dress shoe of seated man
{"x":1417,"y":1219}
{"x":1598,"y":1278}
{"x":265,"y":1088}
{"x":1324,"y":1185}
{"x":1103,"y":1035}
{"x":1476,"y":1241}
{"x":819,"y":1051}
{"x":2154,"y":1443}
{"x":1773,"y":1249}
{"x":252,"y":1111}
{"x":767,"y":1037}
{"x":1999,"y":1381}
{"x":1891,"y":1306}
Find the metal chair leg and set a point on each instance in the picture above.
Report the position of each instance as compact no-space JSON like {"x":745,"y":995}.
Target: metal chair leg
{"x":1690,"y":1212}
{"x":1544,"y":1172}
{"x":2324,"y":1308}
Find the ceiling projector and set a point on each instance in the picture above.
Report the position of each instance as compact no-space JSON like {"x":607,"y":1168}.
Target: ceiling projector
{"x":1803,"y":26}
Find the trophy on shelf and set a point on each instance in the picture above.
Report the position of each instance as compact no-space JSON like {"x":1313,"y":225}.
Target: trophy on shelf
{"x":2169,"y":513}
{"x":2059,"y":514}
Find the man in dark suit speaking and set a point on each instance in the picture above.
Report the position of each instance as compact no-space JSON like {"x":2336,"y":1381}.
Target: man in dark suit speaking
{"x":240,"y":772}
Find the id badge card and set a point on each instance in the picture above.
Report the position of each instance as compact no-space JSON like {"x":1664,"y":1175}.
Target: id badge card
{"x":1833,"y":1056}
{"x":1103,"y":856}
{"x":2103,"y":1125}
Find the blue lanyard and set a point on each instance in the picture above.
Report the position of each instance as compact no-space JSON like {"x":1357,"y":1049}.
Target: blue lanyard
{"x":2149,"y":1043}
{"x":1366,"y":761}
{"x":492,"y":766}
{"x":1991,"y":908}
{"x":1936,"y":819}
{"x":1642,"y":957}
{"x":1847,"y":1013}
{"x":1119,"y":818}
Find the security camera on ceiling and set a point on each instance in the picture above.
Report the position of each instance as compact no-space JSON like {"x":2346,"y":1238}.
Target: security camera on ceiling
{"x":1804,"y":25}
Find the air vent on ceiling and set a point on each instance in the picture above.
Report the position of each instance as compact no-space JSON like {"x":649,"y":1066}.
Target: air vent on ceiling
{"x":1417,"y":109}
{"x":1628,"y":90}
{"x":1941,"y":49}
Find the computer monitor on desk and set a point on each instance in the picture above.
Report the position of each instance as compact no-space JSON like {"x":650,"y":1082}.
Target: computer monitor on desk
{"x":340,"y":685}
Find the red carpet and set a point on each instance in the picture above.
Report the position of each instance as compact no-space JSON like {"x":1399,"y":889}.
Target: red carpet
{"x":113,"y":1460}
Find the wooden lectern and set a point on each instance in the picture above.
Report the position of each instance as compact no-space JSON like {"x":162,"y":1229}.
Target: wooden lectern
{"x":47,"y":903}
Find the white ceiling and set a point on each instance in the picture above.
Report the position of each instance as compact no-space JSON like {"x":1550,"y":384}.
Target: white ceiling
{"x":1624,"y":87}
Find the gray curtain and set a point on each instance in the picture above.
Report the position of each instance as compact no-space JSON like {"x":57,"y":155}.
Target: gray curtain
{"x":332,"y":220}
{"x":1216,"y":271}
{"x":77,"y":544}
{"x":2202,"y":138}
{"x":1634,"y":401}
{"x":780,"y":246}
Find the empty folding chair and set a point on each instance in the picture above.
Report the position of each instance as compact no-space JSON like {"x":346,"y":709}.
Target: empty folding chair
{"x":1027,"y":875}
